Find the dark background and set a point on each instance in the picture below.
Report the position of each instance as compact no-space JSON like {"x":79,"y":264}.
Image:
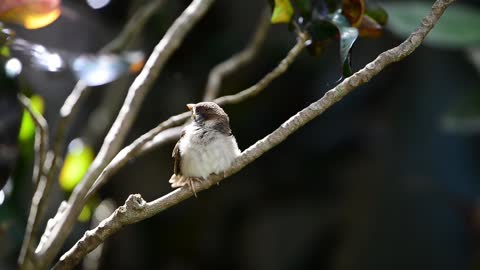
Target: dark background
{"x":376,"y":182}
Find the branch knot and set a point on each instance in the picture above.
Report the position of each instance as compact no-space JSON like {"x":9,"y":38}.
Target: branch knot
{"x":135,"y":202}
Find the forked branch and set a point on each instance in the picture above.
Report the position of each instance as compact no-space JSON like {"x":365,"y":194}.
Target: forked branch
{"x":136,"y":209}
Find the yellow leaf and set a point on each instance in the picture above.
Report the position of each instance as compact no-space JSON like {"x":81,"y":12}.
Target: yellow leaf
{"x":282,"y":12}
{"x":5,"y":51}
{"x":77,"y":162}
{"x":86,"y":213}
{"x":35,"y":21}
{"x":32,"y":14}
{"x":27,"y":128}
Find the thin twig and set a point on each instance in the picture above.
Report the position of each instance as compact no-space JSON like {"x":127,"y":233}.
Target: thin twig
{"x":137,"y":147}
{"x":136,"y":209}
{"x":239,"y":59}
{"x":105,"y":112}
{"x":41,"y":144}
{"x":41,"y":126}
{"x":140,"y":146}
{"x":115,"y":91}
{"x":133,"y":27}
{"x":115,"y":137}
{"x":265,"y":81}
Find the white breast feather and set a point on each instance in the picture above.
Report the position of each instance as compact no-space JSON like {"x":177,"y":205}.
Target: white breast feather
{"x":201,"y":160}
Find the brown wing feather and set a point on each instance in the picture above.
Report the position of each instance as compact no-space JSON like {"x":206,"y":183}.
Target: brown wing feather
{"x":177,"y":157}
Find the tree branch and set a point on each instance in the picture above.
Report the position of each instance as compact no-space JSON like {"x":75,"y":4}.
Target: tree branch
{"x":50,"y":246}
{"x":41,"y":144}
{"x":136,"y":209}
{"x":41,"y":133}
{"x":239,"y":59}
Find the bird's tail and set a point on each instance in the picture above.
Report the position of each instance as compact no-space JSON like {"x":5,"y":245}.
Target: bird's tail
{"x":178,"y":181}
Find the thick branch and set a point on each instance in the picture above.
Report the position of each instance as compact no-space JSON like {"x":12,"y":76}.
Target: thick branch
{"x":115,"y":137}
{"x":136,"y":209}
{"x":239,"y":59}
{"x":139,"y":145}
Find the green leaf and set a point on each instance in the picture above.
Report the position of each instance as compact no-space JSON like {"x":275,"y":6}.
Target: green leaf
{"x":85,"y":214}
{"x":282,"y":12}
{"x":27,"y":128}
{"x":5,"y":51}
{"x":458,"y":27}
{"x":77,"y":162}
{"x":348,"y":35}
{"x":89,"y":209}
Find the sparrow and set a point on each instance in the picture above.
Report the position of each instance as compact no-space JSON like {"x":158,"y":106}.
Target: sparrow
{"x":206,"y":146}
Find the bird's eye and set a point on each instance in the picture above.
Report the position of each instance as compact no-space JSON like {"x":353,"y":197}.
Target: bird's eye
{"x":198,"y":116}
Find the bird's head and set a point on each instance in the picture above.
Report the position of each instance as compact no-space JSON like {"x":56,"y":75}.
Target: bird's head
{"x":209,"y":115}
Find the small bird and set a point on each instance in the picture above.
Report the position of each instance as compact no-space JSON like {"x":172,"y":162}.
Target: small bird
{"x":206,"y":146}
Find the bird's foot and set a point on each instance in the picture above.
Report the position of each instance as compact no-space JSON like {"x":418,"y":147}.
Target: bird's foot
{"x":192,"y":185}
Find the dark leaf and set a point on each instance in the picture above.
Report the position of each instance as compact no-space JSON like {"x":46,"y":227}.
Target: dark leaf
{"x":304,"y":8}
{"x":321,"y":32}
{"x":332,"y":5}
{"x":348,"y":35}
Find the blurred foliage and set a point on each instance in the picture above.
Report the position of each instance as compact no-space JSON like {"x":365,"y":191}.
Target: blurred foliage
{"x":27,"y":128}
{"x":458,"y":27}
{"x":463,"y":115}
{"x":329,"y":20}
{"x":85,"y":214}
{"x":93,"y":69}
{"x":78,"y":159}
{"x":88,"y":210}
{"x":4,"y":51}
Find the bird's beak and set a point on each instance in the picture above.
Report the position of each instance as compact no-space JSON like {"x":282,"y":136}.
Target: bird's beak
{"x":190,"y":106}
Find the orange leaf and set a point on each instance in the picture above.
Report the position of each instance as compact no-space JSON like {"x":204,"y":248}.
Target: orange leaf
{"x":369,"y":27}
{"x":353,"y":10}
{"x":32,"y":14}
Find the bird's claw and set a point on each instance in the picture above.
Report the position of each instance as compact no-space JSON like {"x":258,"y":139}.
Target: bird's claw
{"x":192,"y":185}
